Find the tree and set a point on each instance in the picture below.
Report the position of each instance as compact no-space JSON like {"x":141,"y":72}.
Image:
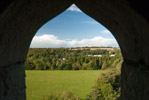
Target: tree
{"x":84,"y":66}
{"x":76,"y":66}
{"x":104,"y":65}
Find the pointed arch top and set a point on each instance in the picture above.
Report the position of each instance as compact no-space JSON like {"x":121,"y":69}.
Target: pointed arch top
{"x":126,"y":19}
{"x":26,"y":17}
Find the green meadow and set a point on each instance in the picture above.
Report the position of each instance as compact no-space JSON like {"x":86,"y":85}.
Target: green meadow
{"x":42,"y":83}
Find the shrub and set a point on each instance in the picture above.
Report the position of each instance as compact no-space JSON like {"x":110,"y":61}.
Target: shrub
{"x":66,"y":95}
{"x":107,"y":86}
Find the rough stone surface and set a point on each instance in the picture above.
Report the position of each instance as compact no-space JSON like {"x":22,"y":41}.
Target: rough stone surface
{"x":12,"y":82}
{"x":19,"y":23}
{"x":129,"y":28}
{"x":135,"y":81}
{"x":126,"y":19}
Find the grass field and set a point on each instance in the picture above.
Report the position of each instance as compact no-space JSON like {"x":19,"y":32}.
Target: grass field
{"x":42,"y":83}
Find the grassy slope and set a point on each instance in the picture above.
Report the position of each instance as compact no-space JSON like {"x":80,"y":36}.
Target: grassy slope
{"x":42,"y":83}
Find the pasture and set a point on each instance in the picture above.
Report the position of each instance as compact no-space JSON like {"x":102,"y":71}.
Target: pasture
{"x":42,"y":83}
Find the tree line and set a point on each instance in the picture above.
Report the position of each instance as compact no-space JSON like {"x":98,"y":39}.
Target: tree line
{"x":67,"y":59}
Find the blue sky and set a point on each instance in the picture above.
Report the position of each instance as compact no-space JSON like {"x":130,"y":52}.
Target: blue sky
{"x":72,"y":28}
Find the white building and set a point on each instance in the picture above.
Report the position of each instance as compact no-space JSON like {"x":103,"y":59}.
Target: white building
{"x":95,"y":55}
{"x":112,"y":55}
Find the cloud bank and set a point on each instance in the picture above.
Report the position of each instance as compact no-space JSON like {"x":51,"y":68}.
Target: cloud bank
{"x":73,"y":7}
{"x":91,"y":22}
{"x":106,"y":32}
{"x":52,"y":41}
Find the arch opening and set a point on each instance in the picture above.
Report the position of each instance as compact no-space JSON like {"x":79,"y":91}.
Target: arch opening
{"x":92,"y":51}
{"x":123,"y":18}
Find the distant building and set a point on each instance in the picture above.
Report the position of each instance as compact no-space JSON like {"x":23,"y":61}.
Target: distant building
{"x":89,"y":55}
{"x":108,"y":49}
{"x":112,"y":55}
{"x":63,"y":59}
{"x":95,"y":55}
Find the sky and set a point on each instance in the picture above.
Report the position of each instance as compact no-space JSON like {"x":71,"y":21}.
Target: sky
{"x":72,"y":28}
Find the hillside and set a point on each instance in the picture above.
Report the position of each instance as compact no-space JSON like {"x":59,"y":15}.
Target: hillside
{"x":87,"y":58}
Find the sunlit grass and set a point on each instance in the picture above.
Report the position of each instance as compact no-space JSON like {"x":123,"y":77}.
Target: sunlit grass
{"x":42,"y":83}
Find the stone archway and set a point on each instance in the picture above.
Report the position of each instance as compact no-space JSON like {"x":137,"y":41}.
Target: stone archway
{"x":19,"y":21}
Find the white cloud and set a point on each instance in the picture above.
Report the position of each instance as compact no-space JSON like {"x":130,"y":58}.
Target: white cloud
{"x":106,"y":31}
{"x":52,"y":41}
{"x":91,"y":22}
{"x":73,"y":7}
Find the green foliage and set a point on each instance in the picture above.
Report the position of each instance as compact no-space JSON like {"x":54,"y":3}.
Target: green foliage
{"x":76,"y":66}
{"x":84,"y":66}
{"x":104,"y":65}
{"x":65,"y":95}
{"x":69,"y":59}
{"x":107,"y":85}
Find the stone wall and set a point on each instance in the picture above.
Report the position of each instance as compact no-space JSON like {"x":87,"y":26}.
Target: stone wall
{"x":134,"y":81}
{"x":12,"y":82}
{"x":126,"y":19}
